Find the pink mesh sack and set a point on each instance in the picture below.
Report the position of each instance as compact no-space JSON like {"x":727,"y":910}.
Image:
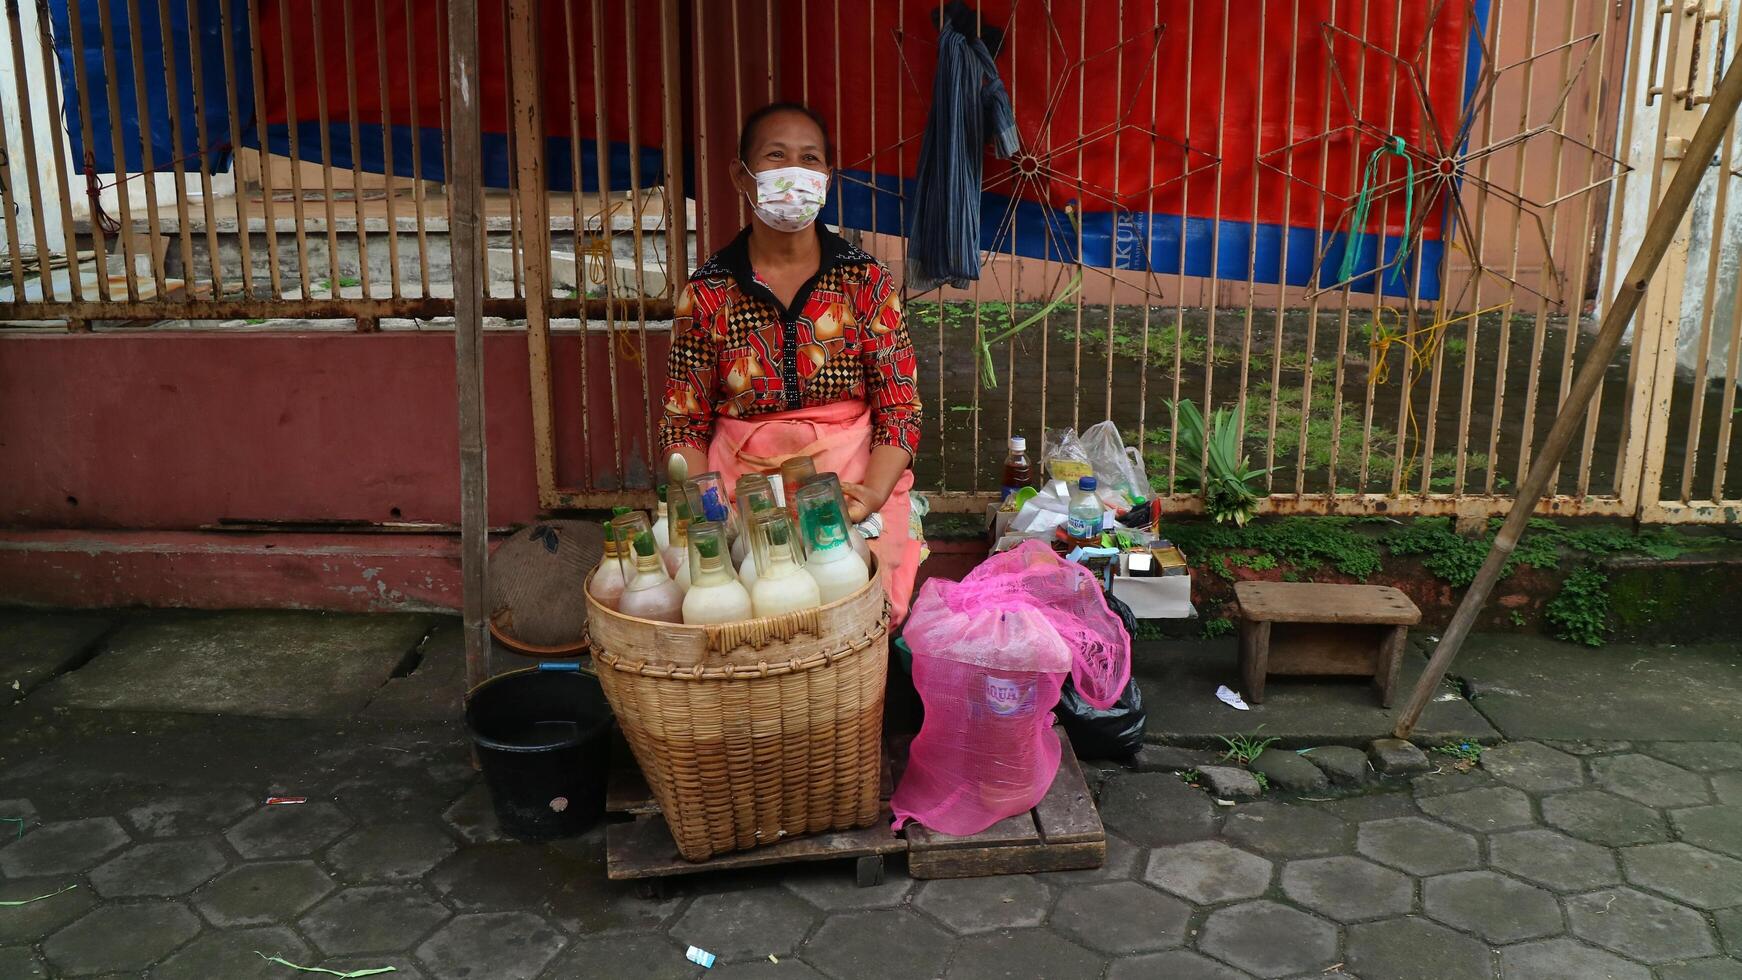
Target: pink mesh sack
{"x":989,"y":655}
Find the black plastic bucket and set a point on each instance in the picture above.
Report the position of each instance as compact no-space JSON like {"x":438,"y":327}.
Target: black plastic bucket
{"x":543,"y":741}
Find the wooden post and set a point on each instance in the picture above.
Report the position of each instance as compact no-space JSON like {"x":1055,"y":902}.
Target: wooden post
{"x":526,"y":97}
{"x":1655,"y":242}
{"x":465,"y":208}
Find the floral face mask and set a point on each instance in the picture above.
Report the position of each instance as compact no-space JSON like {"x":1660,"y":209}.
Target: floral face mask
{"x":788,"y":198}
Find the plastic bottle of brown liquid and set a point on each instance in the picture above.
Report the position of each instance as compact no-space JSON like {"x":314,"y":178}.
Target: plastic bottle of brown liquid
{"x":1016,"y":471}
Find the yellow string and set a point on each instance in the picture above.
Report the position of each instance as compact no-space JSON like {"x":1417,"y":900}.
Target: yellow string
{"x":1421,"y":344}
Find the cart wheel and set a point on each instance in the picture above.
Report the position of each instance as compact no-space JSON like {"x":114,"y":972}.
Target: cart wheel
{"x":651,"y":889}
{"x":869,"y":870}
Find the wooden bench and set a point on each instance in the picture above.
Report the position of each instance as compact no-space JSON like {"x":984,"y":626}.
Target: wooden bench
{"x":1315,"y":628}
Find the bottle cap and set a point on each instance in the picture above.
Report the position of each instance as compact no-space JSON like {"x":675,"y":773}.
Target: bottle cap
{"x":1086,"y":483}
{"x":1018,"y":444}
{"x":644,"y":544}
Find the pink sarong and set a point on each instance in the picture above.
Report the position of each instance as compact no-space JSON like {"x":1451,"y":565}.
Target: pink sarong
{"x":838,"y":437}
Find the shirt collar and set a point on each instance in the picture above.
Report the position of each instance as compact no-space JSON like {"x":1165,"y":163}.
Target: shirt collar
{"x":734,"y":259}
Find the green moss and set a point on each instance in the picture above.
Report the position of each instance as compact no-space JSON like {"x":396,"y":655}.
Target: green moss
{"x":1580,"y":614}
{"x":1303,"y":543}
{"x":1220,"y":626}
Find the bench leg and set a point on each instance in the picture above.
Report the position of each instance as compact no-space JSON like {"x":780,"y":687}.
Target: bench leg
{"x":1390,"y":661}
{"x":1254,"y":659}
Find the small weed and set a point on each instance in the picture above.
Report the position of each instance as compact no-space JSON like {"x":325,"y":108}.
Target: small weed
{"x":1263,"y":780}
{"x":1191,"y":777}
{"x":1244,"y":748}
{"x":1464,"y":755}
{"x":1517,"y":618}
{"x":1580,"y":613}
{"x":258,"y":319}
{"x":1220,"y":626}
{"x":1455,"y":348}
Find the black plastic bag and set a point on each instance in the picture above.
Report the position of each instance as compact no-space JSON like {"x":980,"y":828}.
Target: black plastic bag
{"x":1111,"y":733}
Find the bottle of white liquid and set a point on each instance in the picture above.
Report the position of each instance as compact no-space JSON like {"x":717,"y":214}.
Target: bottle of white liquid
{"x":682,"y":507}
{"x":860,"y":545}
{"x":831,"y":560}
{"x":715,"y":594}
{"x":783,"y":586}
{"x":755,"y":496}
{"x":651,"y":594}
{"x":609,"y":581}
{"x":661,"y":526}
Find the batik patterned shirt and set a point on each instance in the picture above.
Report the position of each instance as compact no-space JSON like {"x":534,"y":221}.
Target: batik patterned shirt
{"x":737,"y":351}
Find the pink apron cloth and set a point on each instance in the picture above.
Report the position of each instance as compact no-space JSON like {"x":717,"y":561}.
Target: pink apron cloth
{"x":838,"y":437}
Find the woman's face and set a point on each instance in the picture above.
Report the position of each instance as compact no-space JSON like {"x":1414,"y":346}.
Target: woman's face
{"x":784,"y":139}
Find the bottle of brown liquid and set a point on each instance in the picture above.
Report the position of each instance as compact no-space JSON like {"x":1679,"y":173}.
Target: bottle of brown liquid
{"x":1016,"y":470}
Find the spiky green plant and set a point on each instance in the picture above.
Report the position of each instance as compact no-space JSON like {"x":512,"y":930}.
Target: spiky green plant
{"x":1212,"y":457}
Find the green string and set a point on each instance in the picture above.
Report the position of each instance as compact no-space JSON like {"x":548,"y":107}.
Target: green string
{"x":989,"y":372}
{"x":281,"y":961}
{"x":1364,"y":204}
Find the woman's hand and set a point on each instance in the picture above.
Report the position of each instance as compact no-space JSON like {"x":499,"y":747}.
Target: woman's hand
{"x":862,"y":501}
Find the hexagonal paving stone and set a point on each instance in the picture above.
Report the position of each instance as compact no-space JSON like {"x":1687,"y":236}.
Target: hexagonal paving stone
{"x":160,"y":869}
{"x":1727,"y":786}
{"x":1553,"y":860}
{"x":21,"y":963}
{"x":970,"y":905}
{"x":1207,"y":872}
{"x":1730,"y":929}
{"x":190,"y":814}
{"x":1698,"y":756}
{"x":1371,"y":806}
{"x":507,"y":875}
{"x":62,"y":848}
{"x":1124,"y":860}
{"x":1483,"y":810}
{"x":1604,"y":818}
{"x":888,"y":943}
{"x":1413,"y":948}
{"x":832,"y":888}
{"x":1649,"y":781}
{"x":1154,"y":809}
{"x":646,"y":957}
{"x":372,"y":919}
{"x":234,"y":953}
{"x":1640,"y":926}
{"x":389,"y":852}
{"x":1495,"y":907}
{"x":1175,"y":964}
{"x":1533,"y":767}
{"x":1021,"y":953}
{"x":1712,"y":969}
{"x":1268,"y":939}
{"x":787,"y":969}
{"x":1566,"y":959}
{"x":1121,"y":917}
{"x":1417,"y":845}
{"x":1715,"y":828}
{"x":288,"y":831}
{"x":120,"y":938}
{"x":30,"y":923}
{"x":257,"y":894}
{"x":21,"y":818}
{"x":1285,"y":830}
{"x":1449,"y":779}
{"x":740,"y":925}
{"x":473,"y":816}
{"x":1685,"y":873}
{"x":1348,"y":889}
{"x":491,"y":944}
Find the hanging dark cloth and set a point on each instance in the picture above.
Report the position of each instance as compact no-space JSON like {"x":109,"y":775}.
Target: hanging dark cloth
{"x":970,"y":108}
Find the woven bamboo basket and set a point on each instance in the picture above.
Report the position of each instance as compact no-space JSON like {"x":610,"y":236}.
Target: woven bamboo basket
{"x":752,"y":732}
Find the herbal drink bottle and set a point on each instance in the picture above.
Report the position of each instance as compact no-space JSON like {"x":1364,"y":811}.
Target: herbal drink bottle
{"x":715,"y":594}
{"x":783,"y":584}
{"x":755,"y":496}
{"x":650,"y":594}
{"x":608,"y":582}
{"x":831,"y":560}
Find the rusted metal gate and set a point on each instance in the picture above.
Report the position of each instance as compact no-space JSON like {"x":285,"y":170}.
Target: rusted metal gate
{"x":1358,"y":401}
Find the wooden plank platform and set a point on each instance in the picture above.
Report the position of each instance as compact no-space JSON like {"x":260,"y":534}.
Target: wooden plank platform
{"x":1062,"y":833}
{"x":643,"y":848}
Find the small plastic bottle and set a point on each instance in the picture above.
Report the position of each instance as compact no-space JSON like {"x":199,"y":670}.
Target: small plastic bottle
{"x":755,"y":496}
{"x":831,"y":560}
{"x":1017,"y":473}
{"x":715,"y":594}
{"x":661,"y":526}
{"x":785,"y":586}
{"x":609,"y":581}
{"x":651,"y":594}
{"x":1083,"y":520}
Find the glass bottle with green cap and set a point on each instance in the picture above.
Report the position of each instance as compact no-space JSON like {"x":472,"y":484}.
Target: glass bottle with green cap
{"x":830,"y":558}
{"x":609,"y":581}
{"x":650,"y":594}
{"x":755,"y":495}
{"x":684,"y":507}
{"x":715,"y":596}
{"x":783,"y":584}
{"x":661,"y":525}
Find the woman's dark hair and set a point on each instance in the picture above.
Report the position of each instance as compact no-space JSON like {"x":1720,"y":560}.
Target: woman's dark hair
{"x":755,"y":119}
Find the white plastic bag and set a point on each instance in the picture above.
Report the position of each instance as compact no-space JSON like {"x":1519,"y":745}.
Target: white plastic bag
{"x":1118,"y":468}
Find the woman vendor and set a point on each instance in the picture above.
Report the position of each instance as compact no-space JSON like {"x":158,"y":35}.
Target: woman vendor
{"x":791,"y":341}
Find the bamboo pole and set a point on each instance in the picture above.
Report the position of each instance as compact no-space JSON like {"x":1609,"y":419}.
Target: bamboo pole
{"x":1654,"y":244}
{"x":465,"y":203}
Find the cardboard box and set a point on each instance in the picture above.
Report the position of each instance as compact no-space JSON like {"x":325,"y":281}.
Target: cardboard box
{"x":1156,"y":597}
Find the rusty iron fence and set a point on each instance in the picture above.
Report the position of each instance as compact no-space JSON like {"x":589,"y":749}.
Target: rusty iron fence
{"x":1355,"y":400}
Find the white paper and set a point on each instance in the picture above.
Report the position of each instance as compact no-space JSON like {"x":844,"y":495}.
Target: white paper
{"x":1231,"y":699}
{"x":1140,"y":561}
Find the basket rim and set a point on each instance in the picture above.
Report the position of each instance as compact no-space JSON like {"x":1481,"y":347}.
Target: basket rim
{"x":736,"y":672}
{"x":701,"y":631}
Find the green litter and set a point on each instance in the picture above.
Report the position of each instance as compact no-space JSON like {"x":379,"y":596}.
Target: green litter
{"x":17,"y":820}
{"x":38,"y":898}
{"x":281,"y":961}
{"x":989,"y":373}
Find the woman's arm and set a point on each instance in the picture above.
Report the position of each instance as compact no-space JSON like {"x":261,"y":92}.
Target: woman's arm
{"x":892,"y":388}
{"x":865,"y":499}
{"x":687,"y":423}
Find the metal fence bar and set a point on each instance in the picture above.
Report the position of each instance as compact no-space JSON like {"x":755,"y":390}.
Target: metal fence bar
{"x":677,"y":250}
{"x":602,"y":157}
{"x":295,"y":168}
{"x":274,"y":276}
{"x":388,"y":170}
{"x":99,"y":235}
{"x":417,"y":178}
{"x":1148,"y":271}
{"x":1345,"y":296}
{"x":176,"y":168}
{"x":334,"y":283}
{"x":1379,"y":276}
{"x":1506,"y":324}
{"x":356,"y":129}
{"x":196,"y":71}
{"x":578,"y":229}
{"x":1702,"y":367}
{"x":637,"y":208}
{"x":516,"y":145}
{"x":1473,"y":335}
{"x":105,"y":22}
{"x":27,"y":132}
{"x":1312,"y":310}
{"x":51,"y":95}
{"x":525,"y":100}
{"x":10,"y":207}
{"x":159,"y":248}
